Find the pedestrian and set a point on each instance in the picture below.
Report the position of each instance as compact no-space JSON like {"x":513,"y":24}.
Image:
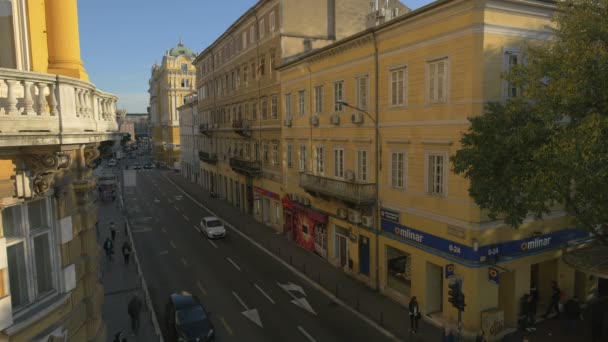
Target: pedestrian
{"x":134,"y":309}
{"x":126,"y":251}
{"x":97,"y":228}
{"x":597,"y":320}
{"x":533,"y":301}
{"x":414,"y":314}
{"x":572,"y":309}
{"x":126,"y":233}
{"x":113,"y":195}
{"x":108,"y":246}
{"x":113,"y":230}
{"x":481,"y":336}
{"x":554,"y":304}
{"x":448,"y":336}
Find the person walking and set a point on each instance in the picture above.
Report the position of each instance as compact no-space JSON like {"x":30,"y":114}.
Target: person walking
{"x":108,"y":246}
{"x":126,"y":251}
{"x":414,"y":314}
{"x":447,"y":335}
{"x":533,"y":301}
{"x":554,"y":304}
{"x":113,"y":230}
{"x":134,"y":310}
{"x":572,"y":309}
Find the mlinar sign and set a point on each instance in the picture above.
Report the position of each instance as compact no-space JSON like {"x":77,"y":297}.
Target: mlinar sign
{"x":535,"y":244}
{"x":409,"y":234}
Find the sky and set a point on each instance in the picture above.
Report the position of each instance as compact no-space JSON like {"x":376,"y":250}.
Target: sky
{"x":120,"y":40}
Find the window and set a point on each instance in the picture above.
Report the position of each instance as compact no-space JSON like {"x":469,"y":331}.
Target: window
{"x":254,"y":111}
{"x":289,"y":156}
{"x":264,"y":108}
{"x":511,"y":59}
{"x":320,"y":159}
{"x":302,"y":102}
{"x":362,"y":93}
{"x":339,"y":162}
{"x":362,"y":165}
{"x":288,"y":105}
{"x":302,"y":157}
{"x":262,"y":27}
{"x":8,"y":53}
{"x":256,"y":151}
{"x":232,"y":80}
{"x":184,"y":67}
{"x":244,"y":40}
{"x":185,"y":83}
{"x":271,"y":21}
{"x":265,"y":153}
{"x":318,"y":99}
{"x":272,"y":60}
{"x":273,"y":107}
{"x":338,"y":95}
{"x":247,"y":150}
{"x":253,"y":73}
{"x":275,"y":154}
{"x":30,"y":253}
{"x":262,"y":66}
{"x":245,"y":75}
{"x":238,"y":77}
{"x":436,"y":175}
{"x":398,"y":170}
{"x":251,"y":34}
{"x":277,"y":213}
{"x":398,"y":87}
{"x":437,"y":80}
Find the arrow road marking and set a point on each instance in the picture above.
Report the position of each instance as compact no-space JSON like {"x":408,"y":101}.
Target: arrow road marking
{"x":252,"y":314}
{"x":305,"y":333}
{"x":301,"y":302}
{"x":264,"y":293}
{"x":234,"y":264}
{"x":200,"y":287}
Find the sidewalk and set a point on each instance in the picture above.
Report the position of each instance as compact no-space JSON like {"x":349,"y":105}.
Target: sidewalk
{"x":380,"y":309}
{"x":121,"y":282}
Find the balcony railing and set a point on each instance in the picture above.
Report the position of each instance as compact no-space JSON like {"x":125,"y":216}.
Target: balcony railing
{"x":44,"y":109}
{"x":208,"y":157}
{"x":241,"y":127}
{"x":206,"y":128}
{"x":350,"y":192}
{"x":246,"y":167}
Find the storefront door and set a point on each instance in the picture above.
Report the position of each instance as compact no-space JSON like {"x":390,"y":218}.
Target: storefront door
{"x":266,"y":210}
{"x":364,"y":255}
{"x":342,"y":250}
{"x":506,"y":298}
{"x":434,"y":288}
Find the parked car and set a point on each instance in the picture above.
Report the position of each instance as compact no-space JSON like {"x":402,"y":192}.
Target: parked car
{"x":112,"y":163}
{"x":188,"y":317}
{"x":136,"y":166}
{"x":213,"y":227}
{"x":148,"y":166}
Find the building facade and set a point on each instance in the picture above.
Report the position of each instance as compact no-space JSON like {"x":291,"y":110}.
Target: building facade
{"x":239,"y":101}
{"x":52,"y":121}
{"x":189,"y":137}
{"x":140,"y":124}
{"x":170,"y":82}
{"x":369,"y":125}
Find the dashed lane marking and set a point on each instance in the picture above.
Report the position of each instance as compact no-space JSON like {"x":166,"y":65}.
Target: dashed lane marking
{"x":233,"y":263}
{"x":214,"y":245}
{"x":184,"y":262}
{"x":172,"y":244}
{"x":228,"y":329}
{"x":201,"y":288}
{"x":264,"y":293}
{"x":163,"y":252}
{"x":163,"y":230}
{"x":186,"y":217}
{"x":305,"y":333}
{"x":197,"y":228}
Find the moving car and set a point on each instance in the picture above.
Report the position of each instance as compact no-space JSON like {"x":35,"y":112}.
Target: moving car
{"x":213,"y":227}
{"x":136,"y":166}
{"x":148,"y":166}
{"x":188,"y":317}
{"x":112,"y":163}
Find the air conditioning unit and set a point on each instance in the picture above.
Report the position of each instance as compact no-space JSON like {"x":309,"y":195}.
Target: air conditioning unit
{"x":350,"y":175}
{"x":287,"y":122}
{"x":306,"y":201}
{"x":357,"y":118}
{"x":342,"y":213}
{"x":367,"y":221}
{"x":335,"y":119}
{"x":314,"y":120}
{"x":354,"y":216}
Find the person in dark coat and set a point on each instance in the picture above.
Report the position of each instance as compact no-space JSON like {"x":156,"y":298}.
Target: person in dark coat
{"x":414,"y":314}
{"x":447,"y":335}
{"x":113,"y":230}
{"x":554,"y":304}
{"x":126,"y":251}
{"x":572,"y":309}
{"x":108,"y":246}
{"x":134,"y":310}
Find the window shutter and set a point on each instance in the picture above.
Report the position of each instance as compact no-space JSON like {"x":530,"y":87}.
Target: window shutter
{"x":441,"y":80}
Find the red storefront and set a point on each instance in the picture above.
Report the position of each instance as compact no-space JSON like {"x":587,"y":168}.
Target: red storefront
{"x":306,"y":226}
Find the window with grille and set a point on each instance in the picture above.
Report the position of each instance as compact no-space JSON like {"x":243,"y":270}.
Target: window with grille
{"x":398,"y":170}
{"x":398,"y":79}
{"x":287,"y":105}
{"x":318,"y":99}
{"x":289,"y":156}
{"x":362,"y":92}
{"x":338,"y":95}
{"x":320,"y":161}
{"x":362,"y":165}
{"x":512,"y":59}
{"x":301,"y":102}
{"x":339,"y":162}
{"x":302,"y":157}
{"x":436,"y":174}
{"x":437,"y":80}
{"x":271,"y":21}
{"x":275,"y":154}
{"x":273,"y":107}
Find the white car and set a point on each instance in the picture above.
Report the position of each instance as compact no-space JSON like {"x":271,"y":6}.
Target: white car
{"x":213,"y":227}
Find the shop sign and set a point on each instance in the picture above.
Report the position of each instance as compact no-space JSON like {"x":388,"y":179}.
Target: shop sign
{"x":390,"y":215}
{"x":266,"y":193}
{"x":449,"y":271}
{"x":493,"y":275}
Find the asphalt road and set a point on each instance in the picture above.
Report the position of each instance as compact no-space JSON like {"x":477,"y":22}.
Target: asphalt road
{"x":250,"y":295}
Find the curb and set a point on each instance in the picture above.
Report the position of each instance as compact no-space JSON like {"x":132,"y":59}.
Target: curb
{"x":141,"y":274}
{"x":294,"y":270}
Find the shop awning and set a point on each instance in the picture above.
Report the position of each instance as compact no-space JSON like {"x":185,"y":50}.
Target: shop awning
{"x":591,"y":259}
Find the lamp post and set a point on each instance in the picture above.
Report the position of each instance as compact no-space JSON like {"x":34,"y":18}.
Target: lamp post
{"x":377,"y":170}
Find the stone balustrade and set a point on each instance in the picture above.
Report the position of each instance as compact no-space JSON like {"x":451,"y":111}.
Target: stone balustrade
{"x":43,"y":109}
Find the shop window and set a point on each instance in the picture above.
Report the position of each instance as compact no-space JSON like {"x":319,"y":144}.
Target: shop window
{"x":277,"y":213}
{"x":399,"y":267}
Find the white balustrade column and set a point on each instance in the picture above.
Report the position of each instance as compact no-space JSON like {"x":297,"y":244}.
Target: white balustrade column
{"x":28,"y":101}
{"x":41,"y":105}
{"x":53,"y":100}
{"x":11,"y":98}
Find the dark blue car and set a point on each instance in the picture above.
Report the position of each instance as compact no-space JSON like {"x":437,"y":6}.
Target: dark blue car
{"x":191,"y":322}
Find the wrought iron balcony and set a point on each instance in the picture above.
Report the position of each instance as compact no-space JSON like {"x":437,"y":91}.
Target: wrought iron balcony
{"x":44,"y":109}
{"x":242,"y":127}
{"x":208,"y":157}
{"x":246,"y":167}
{"x":206,"y":128}
{"x":350,"y":192}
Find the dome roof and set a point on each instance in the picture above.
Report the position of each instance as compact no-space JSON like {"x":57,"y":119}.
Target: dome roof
{"x":181,"y":50}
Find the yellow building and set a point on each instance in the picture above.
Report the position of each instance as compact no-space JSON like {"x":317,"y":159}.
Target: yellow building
{"x":170,"y":83}
{"x":238,"y":95}
{"x":52,"y":121}
{"x":370,"y":124}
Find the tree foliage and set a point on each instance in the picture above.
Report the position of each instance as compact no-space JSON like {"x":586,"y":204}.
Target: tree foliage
{"x":549,"y":146}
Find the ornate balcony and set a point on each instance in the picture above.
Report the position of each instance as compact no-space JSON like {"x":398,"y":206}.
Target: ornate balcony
{"x":242,"y":127}
{"x":45,"y":109}
{"x":349,"y":192}
{"x":206,"y":128}
{"x":246,"y":167}
{"x":208,"y":157}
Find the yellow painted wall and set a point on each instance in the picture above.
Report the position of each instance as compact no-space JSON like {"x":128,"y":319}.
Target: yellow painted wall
{"x":39,"y":54}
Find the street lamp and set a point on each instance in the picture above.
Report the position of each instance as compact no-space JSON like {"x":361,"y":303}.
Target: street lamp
{"x":377,"y":167}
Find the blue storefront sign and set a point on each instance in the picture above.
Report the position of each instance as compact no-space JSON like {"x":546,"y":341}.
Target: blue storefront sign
{"x":390,"y":215}
{"x":493,"y":275}
{"x":449,"y":271}
{"x":504,"y":249}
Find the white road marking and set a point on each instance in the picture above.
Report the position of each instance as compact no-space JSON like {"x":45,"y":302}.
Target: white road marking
{"x":252,"y":314}
{"x":264,"y":293}
{"x":172,"y":244}
{"x":305,"y":333}
{"x":163,"y":230}
{"x":293,"y":270}
{"x":186,"y":217}
{"x":143,"y":230}
{"x":200,"y":287}
{"x":163,"y":252}
{"x":240,"y":300}
{"x":214,"y":245}
{"x":197,"y":228}
{"x":184,"y":262}
{"x":233,"y":263}
{"x":301,"y":302}
{"x":176,"y":208}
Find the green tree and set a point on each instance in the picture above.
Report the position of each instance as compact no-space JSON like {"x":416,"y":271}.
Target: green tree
{"x":125,"y":138}
{"x":550,"y":145}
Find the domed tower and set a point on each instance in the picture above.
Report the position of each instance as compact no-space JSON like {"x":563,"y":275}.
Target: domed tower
{"x":170,"y":83}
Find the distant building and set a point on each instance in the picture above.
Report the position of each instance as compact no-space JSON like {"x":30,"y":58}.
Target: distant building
{"x":140,"y":123}
{"x":189,"y":138}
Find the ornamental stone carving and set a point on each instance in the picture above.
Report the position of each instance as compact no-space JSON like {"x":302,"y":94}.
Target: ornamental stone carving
{"x":91,"y":154}
{"x":42,"y":169}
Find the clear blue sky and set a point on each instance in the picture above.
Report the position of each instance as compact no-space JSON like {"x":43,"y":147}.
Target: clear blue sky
{"x":121,"y":39}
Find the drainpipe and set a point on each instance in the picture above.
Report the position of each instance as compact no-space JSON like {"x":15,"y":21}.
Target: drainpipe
{"x":378,"y":160}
